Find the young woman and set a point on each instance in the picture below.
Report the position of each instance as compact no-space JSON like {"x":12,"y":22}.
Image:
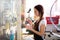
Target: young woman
{"x":39,"y":26}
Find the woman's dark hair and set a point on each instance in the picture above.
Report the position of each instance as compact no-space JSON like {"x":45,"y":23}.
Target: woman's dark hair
{"x":41,"y":12}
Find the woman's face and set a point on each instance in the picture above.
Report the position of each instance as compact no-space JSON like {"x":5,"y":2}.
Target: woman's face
{"x":36,"y":14}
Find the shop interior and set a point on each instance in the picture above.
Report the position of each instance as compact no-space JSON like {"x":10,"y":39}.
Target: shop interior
{"x":13,"y":15}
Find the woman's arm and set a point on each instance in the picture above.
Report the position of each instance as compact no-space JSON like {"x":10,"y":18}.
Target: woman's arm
{"x":41,"y":32}
{"x":31,"y":26}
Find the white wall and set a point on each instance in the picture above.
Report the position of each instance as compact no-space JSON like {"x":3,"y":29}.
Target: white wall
{"x":46,"y":4}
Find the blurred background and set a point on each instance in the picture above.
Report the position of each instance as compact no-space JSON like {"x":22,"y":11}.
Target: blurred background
{"x":13,"y":14}
{"x":9,"y":9}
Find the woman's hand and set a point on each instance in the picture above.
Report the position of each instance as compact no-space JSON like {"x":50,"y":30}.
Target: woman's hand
{"x":29,"y":20}
{"x":29,"y":27}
